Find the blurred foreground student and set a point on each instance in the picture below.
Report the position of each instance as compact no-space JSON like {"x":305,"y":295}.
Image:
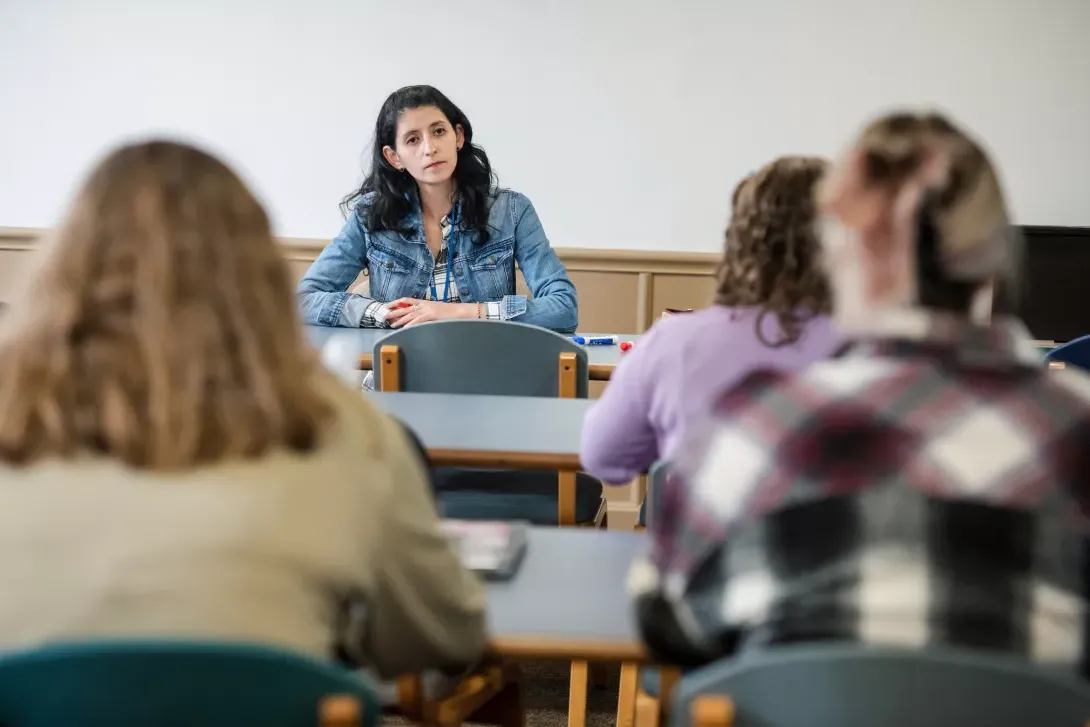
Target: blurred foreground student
{"x":927,"y":486}
{"x":770,"y":311}
{"x":173,"y":461}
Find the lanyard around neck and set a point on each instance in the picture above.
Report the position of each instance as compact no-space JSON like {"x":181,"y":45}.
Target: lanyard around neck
{"x":450,"y":257}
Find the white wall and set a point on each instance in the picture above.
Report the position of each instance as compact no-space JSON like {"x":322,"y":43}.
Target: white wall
{"x":626,"y":121}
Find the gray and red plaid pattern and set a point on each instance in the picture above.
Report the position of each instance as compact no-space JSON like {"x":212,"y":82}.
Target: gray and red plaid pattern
{"x":926,"y":486}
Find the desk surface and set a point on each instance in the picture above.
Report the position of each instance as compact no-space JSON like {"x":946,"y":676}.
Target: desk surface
{"x":492,"y":431}
{"x":365,"y":338}
{"x":601,"y":359}
{"x":568,"y":599}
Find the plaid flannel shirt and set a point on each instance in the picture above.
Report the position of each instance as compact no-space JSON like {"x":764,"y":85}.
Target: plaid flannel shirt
{"x":927,"y":486}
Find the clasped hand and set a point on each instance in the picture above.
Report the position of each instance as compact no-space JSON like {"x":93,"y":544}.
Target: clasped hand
{"x":410,"y":311}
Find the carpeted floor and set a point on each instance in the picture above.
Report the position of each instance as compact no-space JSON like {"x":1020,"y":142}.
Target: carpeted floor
{"x":547,"y":696}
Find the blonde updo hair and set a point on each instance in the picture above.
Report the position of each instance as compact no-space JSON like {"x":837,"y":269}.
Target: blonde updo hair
{"x":964,"y":237}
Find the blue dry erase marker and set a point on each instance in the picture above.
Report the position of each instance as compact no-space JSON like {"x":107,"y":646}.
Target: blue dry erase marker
{"x":596,"y":340}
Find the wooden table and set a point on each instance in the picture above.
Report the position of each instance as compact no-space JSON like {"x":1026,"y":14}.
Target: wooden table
{"x":601,"y":360}
{"x":502,"y":432}
{"x":568,"y":599}
{"x":568,"y":602}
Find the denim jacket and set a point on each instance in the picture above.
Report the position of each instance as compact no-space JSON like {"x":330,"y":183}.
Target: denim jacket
{"x":401,"y":265}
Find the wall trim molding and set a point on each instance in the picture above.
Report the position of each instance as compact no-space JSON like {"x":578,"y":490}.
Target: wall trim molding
{"x":20,"y":238}
{"x":304,"y":250}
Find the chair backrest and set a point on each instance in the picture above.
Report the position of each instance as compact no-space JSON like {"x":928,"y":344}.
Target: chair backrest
{"x":123,"y":684}
{"x":1074,"y":353}
{"x":656,"y":476}
{"x":839,"y":685}
{"x":478,"y":357}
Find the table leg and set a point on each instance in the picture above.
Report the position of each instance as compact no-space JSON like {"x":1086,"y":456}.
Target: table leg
{"x":566,"y":499}
{"x":668,"y":679}
{"x":577,"y":695}
{"x":410,"y":696}
{"x":626,"y":698}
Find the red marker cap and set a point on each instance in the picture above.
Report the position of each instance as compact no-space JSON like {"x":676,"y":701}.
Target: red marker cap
{"x":626,"y":346}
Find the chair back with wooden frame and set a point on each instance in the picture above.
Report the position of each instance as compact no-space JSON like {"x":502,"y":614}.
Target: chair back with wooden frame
{"x":857,"y":686}
{"x":490,"y":357}
{"x":177,"y":684}
{"x":481,"y":357}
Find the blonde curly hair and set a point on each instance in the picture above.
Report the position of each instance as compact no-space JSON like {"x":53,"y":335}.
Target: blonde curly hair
{"x":164,"y":331}
{"x":772,"y":250}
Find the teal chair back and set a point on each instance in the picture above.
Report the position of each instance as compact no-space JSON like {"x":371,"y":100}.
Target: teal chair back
{"x":837,"y":685}
{"x":168,"y":684}
{"x":481,"y":357}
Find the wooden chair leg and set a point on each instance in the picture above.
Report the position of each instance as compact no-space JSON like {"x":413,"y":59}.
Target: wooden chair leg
{"x":339,"y":710}
{"x":669,"y":676}
{"x":577,"y":695}
{"x":410,"y":696}
{"x":473,"y":694}
{"x":565,"y":515}
{"x":626,"y":697}
{"x":712,"y":711}
{"x":648,"y":710}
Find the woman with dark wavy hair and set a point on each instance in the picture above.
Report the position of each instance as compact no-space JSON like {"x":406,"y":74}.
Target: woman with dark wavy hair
{"x":435,"y":236}
{"x":770,"y":311}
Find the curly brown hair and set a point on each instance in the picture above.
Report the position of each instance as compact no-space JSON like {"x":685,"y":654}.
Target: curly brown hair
{"x":165,"y":334}
{"x":772,"y":248}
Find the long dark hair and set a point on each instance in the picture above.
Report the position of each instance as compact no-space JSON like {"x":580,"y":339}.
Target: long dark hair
{"x":395,"y":192}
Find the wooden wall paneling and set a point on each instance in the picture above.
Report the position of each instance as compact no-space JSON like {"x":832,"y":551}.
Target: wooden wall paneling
{"x":607,"y":301}
{"x":14,"y":265}
{"x":681,"y":291}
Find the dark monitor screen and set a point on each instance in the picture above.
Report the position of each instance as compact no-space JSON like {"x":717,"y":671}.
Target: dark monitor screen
{"x":1054,"y":296}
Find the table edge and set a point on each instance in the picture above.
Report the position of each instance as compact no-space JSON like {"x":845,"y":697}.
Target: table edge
{"x":546,"y":648}
{"x":504,"y":460}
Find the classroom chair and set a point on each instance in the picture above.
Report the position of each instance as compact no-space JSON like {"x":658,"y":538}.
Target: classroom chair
{"x":506,"y":359}
{"x":656,"y":475}
{"x":493,"y":695}
{"x":1073,"y":353}
{"x":850,"y":685}
{"x":648,"y":702}
{"x":178,"y":684}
